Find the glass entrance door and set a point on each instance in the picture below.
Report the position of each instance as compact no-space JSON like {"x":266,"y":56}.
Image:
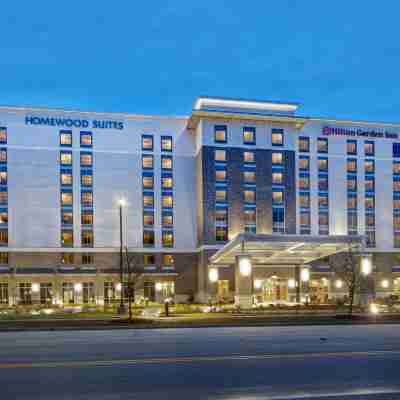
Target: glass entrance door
{"x":275,"y":289}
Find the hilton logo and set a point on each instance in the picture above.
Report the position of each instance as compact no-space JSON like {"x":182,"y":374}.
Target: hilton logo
{"x":329,"y":131}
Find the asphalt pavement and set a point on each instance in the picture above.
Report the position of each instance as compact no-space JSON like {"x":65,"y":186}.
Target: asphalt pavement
{"x":320,"y":362}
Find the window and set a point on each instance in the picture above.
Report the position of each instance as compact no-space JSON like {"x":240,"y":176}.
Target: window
{"x":352,"y":183}
{"x":369,"y":148}
{"x":66,"y":217}
{"x":148,"y":238}
{"x":323,"y":201}
{"x":86,"y":179}
{"x":369,"y":166}
{"x":166,"y":162}
{"x":68,"y":293}
{"x":278,"y":220}
{"x":220,"y":133}
{"x":221,"y":215}
{"x":305,"y":218}
{"x":352,"y":165}
{"x":277,"y":137}
{"x":66,"y":138}
{"x":249,"y":135}
{"x":66,"y":198}
{"x":323,"y":219}
{"x":322,"y":145}
{"x":148,"y":200}
{"x":3,"y":177}
{"x":323,"y":183}
{"x":148,"y":182}
{"x":86,"y":139}
{"x":352,"y":202}
{"x":396,"y":150}
{"x":167,"y":239}
{"x":87,"y":238}
{"x":370,"y":184}
{"x":304,"y":200}
{"x":168,"y":259}
{"x":396,"y":167}
{"x":86,"y":217}
{"x":166,"y":143}
{"x":396,"y":185}
{"x":220,"y":195}
{"x":220,"y":155}
{"x":277,"y":197}
{"x":149,"y":259}
{"x":147,"y":142}
{"x":3,"y":293}
{"x":3,"y":237}
{"x":3,"y":135}
{"x":369,"y":202}
{"x":370,"y":238}
{"x":86,"y":159}
{"x":3,"y":217}
{"x":3,"y":257}
{"x":25,"y":293}
{"x":277,"y":158}
{"x":249,"y":196}
{"x":3,"y":197}
{"x":304,"y":144}
{"x":166,"y":182}
{"x":87,"y":198}
{"x":249,"y":157}
{"x":221,"y":234}
{"x":46,"y":293}
{"x":147,"y":161}
{"x":65,"y":157}
{"x":67,"y":258}
{"x":220,"y":175}
{"x":3,"y":155}
{"x":249,"y":177}
{"x":322,"y":164}
{"x":304,"y":182}
{"x":304,"y":163}
{"x":66,"y":238}
{"x":66,"y":178}
{"x":148,"y":219}
{"x":351,"y":147}
{"x":167,"y":201}
{"x":396,"y":204}
{"x":250,"y":217}
{"x":88,"y":293}
{"x":396,"y":222}
{"x":277,"y":178}
{"x":167,"y":219}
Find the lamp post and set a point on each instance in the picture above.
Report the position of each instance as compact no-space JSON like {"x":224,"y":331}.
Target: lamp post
{"x":121,"y":308}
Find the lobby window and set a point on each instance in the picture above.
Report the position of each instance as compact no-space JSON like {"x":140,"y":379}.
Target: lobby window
{"x":277,"y":158}
{"x":220,"y":155}
{"x":86,"y":139}
{"x":304,"y":182}
{"x":249,"y":196}
{"x":221,"y":216}
{"x":249,"y":157}
{"x":166,"y":162}
{"x":66,"y":138}
{"x":66,"y":178}
{"x":25,"y":293}
{"x":322,"y":164}
{"x":66,"y":198}
{"x":250,"y":217}
{"x":88,"y":293}
{"x":221,"y":233}
{"x":249,"y":135}
{"x":166,"y":143}
{"x":220,"y":134}
{"x":220,"y":175}
{"x":166,"y":182}
{"x":148,"y":182}
{"x":304,"y":163}
{"x":66,"y":217}
{"x":3,"y":135}
{"x":147,"y":161}
{"x":168,"y":259}
{"x":87,"y":238}
{"x":304,"y":199}
{"x":167,"y":238}
{"x":351,"y":147}
{"x":277,"y":137}
{"x":3,"y":257}
{"x":4,"y":293}
{"x":304,"y":144}
{"x":87,"y":198}
{"x":148,"y":219}
{"x":147,"y":142}
{"x":322,"y":145}
{"x":149,"y":259}
{"x":220,"y":195}
{"x":86,"y":179}
{"x":277,"y":197}
{"x":167,"y":219}
{"x":249,"y":177}
{"x":352,"y":165}
{"x":148,"y":238}
{"x":3,"y":155}
{"x":148,"y":200}
{"x":65,"y":157}
{"x":167,"y":201}
{"x":67,"y":238}
{"x":277,"y":178}
{"x":87,"y":217}
{"x":87,"y":259}
{"x":369,"y":148}
{"x":86,"y":159}
{"x":369,"y":166}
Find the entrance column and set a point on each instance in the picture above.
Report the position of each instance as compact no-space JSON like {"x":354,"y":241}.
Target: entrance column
{"x":305,"y":282}
{"x":298,"y":283}
{"x":243,"y":281}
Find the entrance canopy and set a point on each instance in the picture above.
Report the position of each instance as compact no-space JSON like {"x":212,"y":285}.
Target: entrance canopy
{"x":285,"y":249}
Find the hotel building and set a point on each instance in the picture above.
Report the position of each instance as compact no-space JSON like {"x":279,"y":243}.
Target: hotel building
{"x":233,"y":172}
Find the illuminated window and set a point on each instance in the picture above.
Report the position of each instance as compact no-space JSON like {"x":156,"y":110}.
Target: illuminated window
{"x":87,"y":217}
{"x":86,"y":159}
{"x":3,"y":237}
{"x":396,"y":204}
{"x":220,"y":133}
{"x":221,"y":215}
{"x":3,"y":257}
{"x":66,"y":198}
{"x":250,"y":217}
{"x":86,"y":198}
{"x":249,"y":177}
{"x":3,"y":217}
{"x":67,"y":258}
{"x":352,"y":202}
{"x":149,"y":259}
{"x":351,"y":165}
{"x":304,"y":163}
{"x":249,"y":135}
{"x":3,"y":177}
{"x":322,"y":145}
{"x":351,"y":147}
{"x":66,"y":138}
{"x":323,"y":183}
{"x":147,"y":142}
{"x":396,"y":186}
{"x":66,"y":178}
{"x":304,"y":182}
{"x":87,"y":238}
{"x":167,"y":201}
{"x":277,"y":158}
{"x":277,"y":137}
{"x":304,"y":200}
{"x":249,"y":196}
{"x":370,"y":184}
{"x":220,"y":155}
{"x":148,"y":200}
{"x":221,"y":234}
{"x":166,"y":182}
{"x":167,"y":219}
{"x":323,"y":219}
{"x":86,"y":180}
{"x":167,"y":239}
{"x":168,"y":259}
{"x":277,"y":197}
{"x":166,"y":143}
{"x":166,"y":162}
{"x":3,"y":135}
{"x":220,"y":175}
{"x":65,"y":158}
{"x":67,"y":238}
{"x":304,"y":144}
{"x":86,"y":139}
{"x":305,"y":218}
{"x":277,"y":178}
{"x":322,"y":164}
{"x":396,"y":222}
{"x":148,"y":238}
{"x":369,"y":166}
{"x":369,"y":148}
{"x":148,"y":219}
{"x":147,"y":161}
{"x":3,"y":155}
{"x":66,"y":217}
{"x":370,"y":220}
{"x":220,"y":195}
{"x":148,"y":182}
{"x":3,"y":198}
{"x":369,"y":202}
{"x":396,"y":167}
{"x":87,"y":259}
{"x":352,"y":183}
{"x":323,"y":201}
{"x":249,"y":157}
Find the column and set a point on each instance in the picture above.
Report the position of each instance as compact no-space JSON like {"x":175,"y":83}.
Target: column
{"x":212,"y":283}
{"x":243,"y":282}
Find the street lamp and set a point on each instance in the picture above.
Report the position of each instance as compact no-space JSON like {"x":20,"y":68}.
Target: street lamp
{"x":121,"y":310}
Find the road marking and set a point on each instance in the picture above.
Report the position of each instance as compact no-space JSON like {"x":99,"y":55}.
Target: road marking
{"x":192,"y":359}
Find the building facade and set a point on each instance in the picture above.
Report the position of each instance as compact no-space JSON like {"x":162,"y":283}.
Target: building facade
{"x":189,"y":186}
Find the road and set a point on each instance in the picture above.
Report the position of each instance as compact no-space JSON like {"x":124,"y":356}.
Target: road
{"x":324,"y":362}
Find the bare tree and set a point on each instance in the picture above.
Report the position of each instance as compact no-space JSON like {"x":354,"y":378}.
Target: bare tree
{"x":133,"y":275}
{"x":346,"y":266}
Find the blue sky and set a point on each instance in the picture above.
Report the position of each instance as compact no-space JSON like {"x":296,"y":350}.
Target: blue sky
{"x":337,"y":58}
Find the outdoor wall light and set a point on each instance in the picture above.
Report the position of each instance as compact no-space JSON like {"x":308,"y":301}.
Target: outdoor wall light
{"x":245,"y":266}
{"x":35,"y":287}
{"x":118,"y":286}
{"x":338,"y":283}
{"x":159,"y":286}
{"x":78,"y":287}
{"x":258,"y":283}
{"x":213,"y":274}
{"x":366,"y":265}
{"x":291,"y":283}
{"x":385,"y":283}
{"x":305,"y":275}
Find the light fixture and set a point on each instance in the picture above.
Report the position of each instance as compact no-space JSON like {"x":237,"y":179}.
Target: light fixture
{"x":245,"y":266}
{"x":324,"y":281}
{"x":305,"y":275}
{"x":366,"y":265}
{"x":159,"y":286}
{"x":291,"y":283}
{"x":118,"y":286}
{"x":122,"y":202}
{"x":339,"y":283}
{"x":258,"y":283}
{"x":385,"y":283}
{"x":78,"y":287}
{"x":35,"y":287}
{"x":213,"y":274}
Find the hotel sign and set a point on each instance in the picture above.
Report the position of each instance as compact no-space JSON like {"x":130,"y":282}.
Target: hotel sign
{"x":329,"y":131}
{"x":62,"y":122}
